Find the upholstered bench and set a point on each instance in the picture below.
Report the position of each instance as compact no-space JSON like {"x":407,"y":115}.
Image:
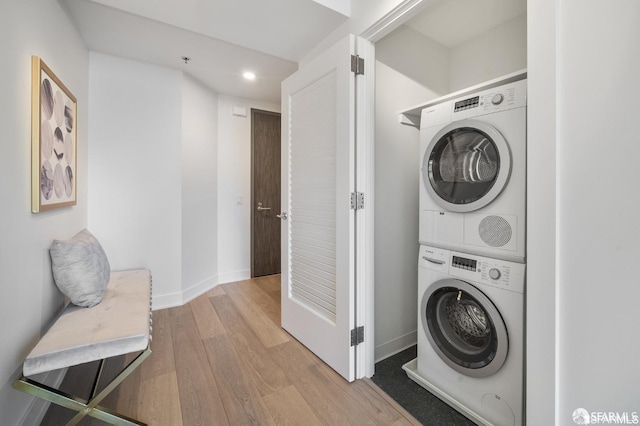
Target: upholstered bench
{"x":120,"y":324}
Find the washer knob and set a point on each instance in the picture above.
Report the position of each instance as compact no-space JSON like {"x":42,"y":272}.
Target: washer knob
{"x":497,"y":99}
{"x":494,"y":273}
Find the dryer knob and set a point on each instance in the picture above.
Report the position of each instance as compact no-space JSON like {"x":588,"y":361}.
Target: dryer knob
{"x":494,"y":273}
{"x":497,"y":99}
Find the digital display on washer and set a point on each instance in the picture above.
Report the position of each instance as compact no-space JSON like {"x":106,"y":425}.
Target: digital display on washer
{"x":466,"y":104}
{"x":462,"y":263}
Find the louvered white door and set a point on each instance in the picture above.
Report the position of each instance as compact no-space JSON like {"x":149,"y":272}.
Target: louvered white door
{"x":318,"y":143}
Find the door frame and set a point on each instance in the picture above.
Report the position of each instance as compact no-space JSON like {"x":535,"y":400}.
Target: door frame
{"x":365,"y":170}
{"x":252,"y":200}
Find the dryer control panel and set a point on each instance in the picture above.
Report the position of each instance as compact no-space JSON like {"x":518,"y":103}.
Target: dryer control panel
{"x":476,"y":103}
{"x":509,"y":96}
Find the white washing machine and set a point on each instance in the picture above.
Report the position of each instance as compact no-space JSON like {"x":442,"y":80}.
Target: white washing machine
{"x":471,"y":334}
{"x":473,"y":151}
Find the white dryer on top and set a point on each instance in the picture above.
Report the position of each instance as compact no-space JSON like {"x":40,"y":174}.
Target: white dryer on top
{"x":473,"y":188}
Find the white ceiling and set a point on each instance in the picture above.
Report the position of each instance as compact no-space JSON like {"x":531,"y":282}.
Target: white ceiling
{"x":223,"y":38}
{"x":451,"y":22}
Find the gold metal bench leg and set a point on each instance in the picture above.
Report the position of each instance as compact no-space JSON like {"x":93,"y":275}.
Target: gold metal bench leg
{"x":83,"y":407}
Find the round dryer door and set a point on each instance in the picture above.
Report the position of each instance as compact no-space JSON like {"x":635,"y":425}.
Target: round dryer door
{"x":464,"y":328}
{"x":466,"y":165}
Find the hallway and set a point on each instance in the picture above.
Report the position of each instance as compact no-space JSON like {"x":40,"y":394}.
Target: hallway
{"x":223,"y":359}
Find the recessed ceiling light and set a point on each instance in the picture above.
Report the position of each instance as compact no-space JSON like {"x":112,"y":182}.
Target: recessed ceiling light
{"x":249,"y":75}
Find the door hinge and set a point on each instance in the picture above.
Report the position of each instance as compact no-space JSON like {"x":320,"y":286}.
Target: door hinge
{"x":357,"y":200}
{"x":357,"y":65}
{"x":357,"y":335}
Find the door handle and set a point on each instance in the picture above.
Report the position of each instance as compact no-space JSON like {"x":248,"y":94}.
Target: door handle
{"x":282,"y":216}
{"x":260,"y":208}
{"x":432,"y":260}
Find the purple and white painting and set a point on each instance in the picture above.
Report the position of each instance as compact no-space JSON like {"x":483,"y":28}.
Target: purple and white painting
{"x":56,"y":142}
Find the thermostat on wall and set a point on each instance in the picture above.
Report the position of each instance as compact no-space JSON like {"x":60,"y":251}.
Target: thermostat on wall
{"x":239,"y":111}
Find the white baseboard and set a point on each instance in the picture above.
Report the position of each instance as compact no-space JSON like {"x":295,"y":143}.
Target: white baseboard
{"x":396,"y":345}
{"x":37,"y":408}
{"x":199,"y":289}
{"x":230,"y":277}
{"x":163,"y":301}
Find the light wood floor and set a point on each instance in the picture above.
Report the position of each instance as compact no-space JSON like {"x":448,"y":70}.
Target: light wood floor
{"x":223,"y":359}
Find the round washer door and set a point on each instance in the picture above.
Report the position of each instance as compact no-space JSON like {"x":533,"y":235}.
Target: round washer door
{"x":464,"y":328}
{"x":466,"y":165}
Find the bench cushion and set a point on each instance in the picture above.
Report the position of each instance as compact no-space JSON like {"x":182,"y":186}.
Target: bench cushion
{"x":118,"y":325}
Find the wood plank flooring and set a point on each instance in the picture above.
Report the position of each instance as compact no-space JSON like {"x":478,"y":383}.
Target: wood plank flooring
{"x":223,"y":359}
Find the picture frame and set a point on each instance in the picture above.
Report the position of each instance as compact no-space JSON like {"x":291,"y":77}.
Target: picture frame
{"x":53,"y":140}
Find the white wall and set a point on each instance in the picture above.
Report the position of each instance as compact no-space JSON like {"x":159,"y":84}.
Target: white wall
{"x":199,"y":188}
{"x":420,"y":59}
{"x":397,"y":152}
{"x":597,"y":194}
{"x":234,"y":180}
{"x":402,"y":80}
{"x":341,"y":6}
{"x":541,"y":345}
{"x":582,"y":320}
{"x":500,"y":51}
{"x":135,"y":202}
{"x":364,"y":13}
{"x":28,"y":297}
{"x":154,"y":174}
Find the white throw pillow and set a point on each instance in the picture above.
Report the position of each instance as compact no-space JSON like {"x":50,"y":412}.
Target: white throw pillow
{"x":81,"y":269}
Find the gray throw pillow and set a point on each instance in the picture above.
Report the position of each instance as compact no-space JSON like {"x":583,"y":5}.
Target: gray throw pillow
{"x":81,"y":269}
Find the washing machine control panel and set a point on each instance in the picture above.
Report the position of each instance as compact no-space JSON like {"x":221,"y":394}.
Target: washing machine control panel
{"x":482,"y":270}
{"x":493,"y":272}
{"x":474,"y":269}
{"x":496,"y":273}
{"x":463,"y":263}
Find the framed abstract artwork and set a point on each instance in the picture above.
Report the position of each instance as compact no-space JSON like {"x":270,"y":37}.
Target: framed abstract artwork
{"x":53,"y":140}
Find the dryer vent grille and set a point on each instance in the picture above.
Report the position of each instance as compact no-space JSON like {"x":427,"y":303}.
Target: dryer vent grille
{"x":495,"y":231}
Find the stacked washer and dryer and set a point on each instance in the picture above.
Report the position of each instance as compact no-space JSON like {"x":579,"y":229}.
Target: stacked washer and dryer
{"x":471,"y":276}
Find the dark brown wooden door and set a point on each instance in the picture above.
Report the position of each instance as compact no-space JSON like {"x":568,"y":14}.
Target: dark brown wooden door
{"x":265,"y":199}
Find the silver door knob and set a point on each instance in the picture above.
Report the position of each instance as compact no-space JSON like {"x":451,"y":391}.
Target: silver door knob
{"x":260,"y":208}
{"x":282,"y":216}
